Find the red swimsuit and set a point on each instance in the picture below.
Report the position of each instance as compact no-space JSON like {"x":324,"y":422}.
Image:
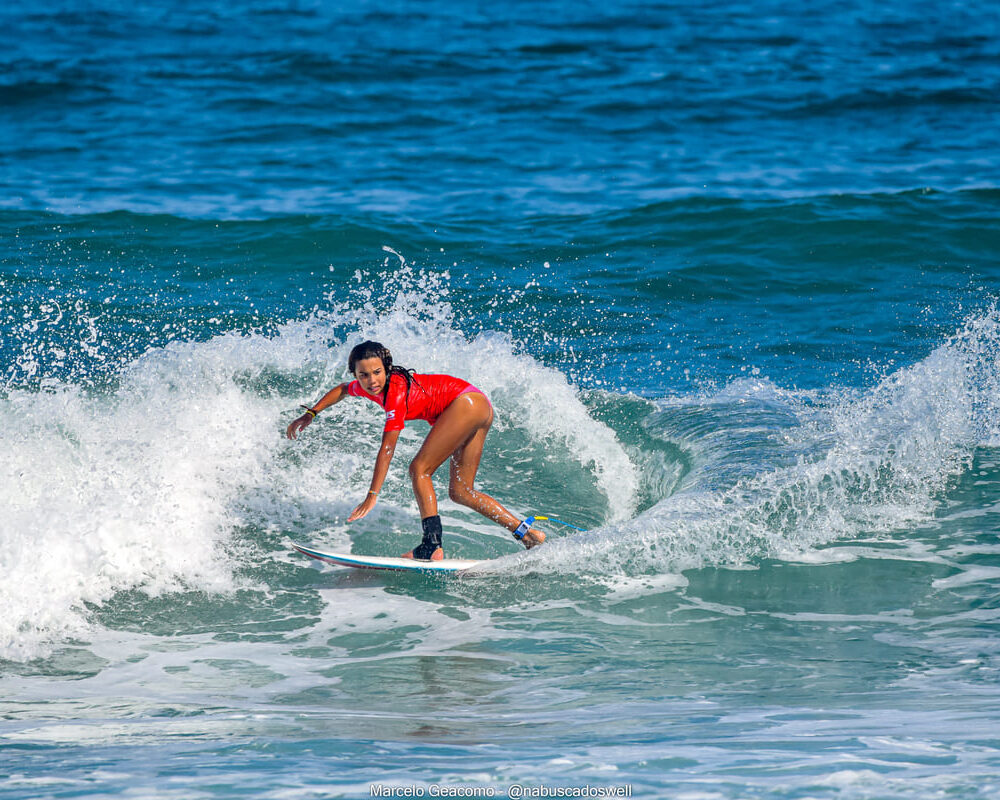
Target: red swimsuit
{"x":429,"y":396}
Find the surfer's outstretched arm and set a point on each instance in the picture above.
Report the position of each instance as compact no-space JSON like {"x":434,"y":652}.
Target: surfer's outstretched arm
{"x":382,"y":461}
{"x":335,"y":395}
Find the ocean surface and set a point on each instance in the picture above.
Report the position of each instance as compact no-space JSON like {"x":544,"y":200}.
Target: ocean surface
{"x":730,"y":275}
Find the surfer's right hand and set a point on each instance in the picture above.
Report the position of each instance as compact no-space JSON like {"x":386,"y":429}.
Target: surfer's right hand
{"x":366,"y":505}
{"x":298,"y":426}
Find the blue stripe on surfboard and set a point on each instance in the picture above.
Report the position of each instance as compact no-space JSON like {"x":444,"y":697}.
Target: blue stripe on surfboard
{"x":386,"y":563}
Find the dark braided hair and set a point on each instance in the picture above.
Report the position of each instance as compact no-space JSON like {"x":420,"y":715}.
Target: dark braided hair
{"x":378,"y":350}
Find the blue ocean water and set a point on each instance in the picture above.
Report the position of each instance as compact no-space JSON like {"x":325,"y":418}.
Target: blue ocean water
{"x":729,"y":275}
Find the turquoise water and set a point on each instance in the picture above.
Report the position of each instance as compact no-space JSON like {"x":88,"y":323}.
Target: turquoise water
{"x":730,"y":278}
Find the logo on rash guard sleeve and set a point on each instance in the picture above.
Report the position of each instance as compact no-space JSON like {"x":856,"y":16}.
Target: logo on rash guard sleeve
{"x":390,"y":415}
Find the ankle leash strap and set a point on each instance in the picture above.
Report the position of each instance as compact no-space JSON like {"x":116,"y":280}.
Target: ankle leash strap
{"x":523,"y":528}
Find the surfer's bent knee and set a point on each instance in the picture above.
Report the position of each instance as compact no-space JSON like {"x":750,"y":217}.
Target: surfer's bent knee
{"x":417,"y":470}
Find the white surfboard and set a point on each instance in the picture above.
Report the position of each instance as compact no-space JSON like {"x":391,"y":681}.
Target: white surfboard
{"x":389,"y":563}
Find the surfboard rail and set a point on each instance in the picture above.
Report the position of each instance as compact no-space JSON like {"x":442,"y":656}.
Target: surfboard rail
{"x":389,"y":563}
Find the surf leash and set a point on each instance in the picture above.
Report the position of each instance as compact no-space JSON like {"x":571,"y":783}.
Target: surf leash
{"x":523,"y":528}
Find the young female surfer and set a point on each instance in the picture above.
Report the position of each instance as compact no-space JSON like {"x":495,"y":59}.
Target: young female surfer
{"x":460,"y":416}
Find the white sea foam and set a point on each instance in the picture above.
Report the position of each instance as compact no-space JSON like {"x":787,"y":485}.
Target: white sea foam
{"x":144,"y":486}
{"x":104,"y":493}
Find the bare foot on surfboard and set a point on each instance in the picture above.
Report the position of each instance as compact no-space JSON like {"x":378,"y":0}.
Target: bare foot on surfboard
{"x":532,"y":538}
{"x":437,"y":555}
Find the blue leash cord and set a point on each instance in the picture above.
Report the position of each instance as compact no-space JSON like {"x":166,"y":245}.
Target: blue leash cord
{"x":523,"y":528}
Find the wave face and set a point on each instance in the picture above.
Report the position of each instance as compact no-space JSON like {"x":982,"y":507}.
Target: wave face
{"x":146,"y":479}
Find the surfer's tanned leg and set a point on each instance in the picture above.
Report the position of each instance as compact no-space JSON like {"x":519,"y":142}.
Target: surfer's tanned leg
{"x":460,"y":432}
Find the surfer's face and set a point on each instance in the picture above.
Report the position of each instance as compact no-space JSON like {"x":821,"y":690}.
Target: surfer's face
{"x":370,"y":373}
